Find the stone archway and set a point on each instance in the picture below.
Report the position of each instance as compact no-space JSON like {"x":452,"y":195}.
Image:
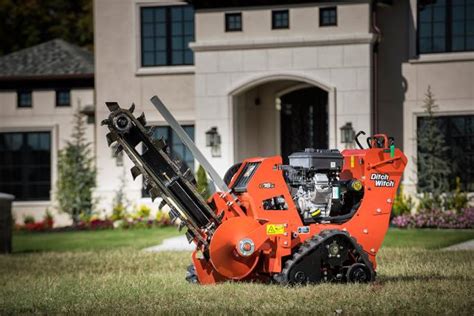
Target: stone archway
{"x":256,"y":105}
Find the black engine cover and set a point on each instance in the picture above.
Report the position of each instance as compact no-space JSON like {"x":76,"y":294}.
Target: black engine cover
{"x":317,"y":159}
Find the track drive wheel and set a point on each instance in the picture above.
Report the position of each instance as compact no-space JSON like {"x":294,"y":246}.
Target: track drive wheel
{"x":358,"y":273}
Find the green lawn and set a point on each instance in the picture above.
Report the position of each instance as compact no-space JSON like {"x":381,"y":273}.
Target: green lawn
{"x":141,"y":238}
{"x":90,"y":240}
{"x":413,"y":278}
{"x":426,"y":238}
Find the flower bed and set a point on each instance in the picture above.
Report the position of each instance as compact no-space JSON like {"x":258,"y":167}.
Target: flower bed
{"x":436,"y":219}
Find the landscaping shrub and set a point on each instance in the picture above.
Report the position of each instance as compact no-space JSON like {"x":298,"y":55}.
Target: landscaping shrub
{"x":32,"y":226}
{"x":436,"y":219}
{"x":402,"y":204}
{"x":76,"y":173}
{"x":28,"y":219}
{"x":202,"y":183}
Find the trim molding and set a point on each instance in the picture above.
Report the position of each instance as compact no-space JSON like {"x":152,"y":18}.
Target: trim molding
{"x":202,"y":46}
{"x":165,"y":70}
{"x":442,"y":58}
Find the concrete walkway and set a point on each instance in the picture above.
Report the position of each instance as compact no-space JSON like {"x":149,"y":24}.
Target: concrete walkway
{"x":179,"y":243}
{"x":467,"y":245}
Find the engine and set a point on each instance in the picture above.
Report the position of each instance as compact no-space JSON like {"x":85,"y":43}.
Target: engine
{"x":318,"y":192}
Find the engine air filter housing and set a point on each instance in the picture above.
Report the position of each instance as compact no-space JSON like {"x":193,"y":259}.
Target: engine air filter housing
{"x":317,"y":159}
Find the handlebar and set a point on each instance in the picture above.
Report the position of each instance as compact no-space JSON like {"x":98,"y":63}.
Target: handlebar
{"x":375,"y":141}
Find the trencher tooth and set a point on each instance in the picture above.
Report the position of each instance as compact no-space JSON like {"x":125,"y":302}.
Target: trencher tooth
{"x":159,"y":143}
{"x":113,"y":106}
{"x":154,"y":193}
{"x":189,"y":237}
{"x":105,"y":122}
{"x":132,"y":108}
{"x":181,"y":225}
{"x":135,"y":172}
{"x":142,"y":119}
{"x":162,"y":204}
{"x":151,"y":130}
{"x":173,"y":215}
{"x":118,"y":150}
{"x":110,"y":138}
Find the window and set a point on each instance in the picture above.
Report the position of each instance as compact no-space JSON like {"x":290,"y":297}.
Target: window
{"x":459,"y":137}
{"x":63,"y":98}
{"x":25,"y":165}
{"x":24,"y":99}
{"x":233,"y":22}
{"x":445,"y":26}
{"x":280,"y":19}
{"x":165,"y":36}
{"x":177,"y":149}
{"x":328,"y":16}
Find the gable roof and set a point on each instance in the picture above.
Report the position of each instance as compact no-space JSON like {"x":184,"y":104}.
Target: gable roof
{"x":55,"y":58}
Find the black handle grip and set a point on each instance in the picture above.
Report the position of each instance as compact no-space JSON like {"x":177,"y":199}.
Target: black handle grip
{"x":356,"y":138}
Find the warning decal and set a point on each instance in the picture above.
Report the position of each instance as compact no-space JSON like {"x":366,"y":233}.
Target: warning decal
{"x":275,"y":229}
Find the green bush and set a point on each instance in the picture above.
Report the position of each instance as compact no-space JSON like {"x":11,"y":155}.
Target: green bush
{"x":402,"y":204}
{"x":202,"y":183}
{"x":456,"y":200}
{"x":143,"y":212}
{"x":118,"y":212}
{"x":28,"y":219}
{"x":76,"y":174}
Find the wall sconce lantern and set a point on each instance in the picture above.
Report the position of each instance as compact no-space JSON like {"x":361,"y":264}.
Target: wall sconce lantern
{"x":347,"y":133}
{"x":213,"y":140}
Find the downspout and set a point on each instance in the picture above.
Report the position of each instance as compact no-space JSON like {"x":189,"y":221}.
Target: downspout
{"x":375,"y":49}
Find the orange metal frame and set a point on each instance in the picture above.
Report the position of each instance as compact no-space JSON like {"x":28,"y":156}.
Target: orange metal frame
{"x":244,"y":216}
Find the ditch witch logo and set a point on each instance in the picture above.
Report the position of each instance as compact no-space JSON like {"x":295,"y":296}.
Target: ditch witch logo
{"x":382,"y":180}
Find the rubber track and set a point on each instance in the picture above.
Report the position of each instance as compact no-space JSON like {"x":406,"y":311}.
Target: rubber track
{"x":311,"y":244}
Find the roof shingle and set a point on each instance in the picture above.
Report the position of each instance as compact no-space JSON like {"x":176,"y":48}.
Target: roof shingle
{"x":52,"y":58}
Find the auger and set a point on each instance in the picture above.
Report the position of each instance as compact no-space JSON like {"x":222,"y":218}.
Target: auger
{"x":320,"y":218}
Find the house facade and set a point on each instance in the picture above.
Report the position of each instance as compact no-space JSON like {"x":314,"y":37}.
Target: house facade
{"x":277,"y":76}
{"x":40,"y":90}
{"x":273,"y":77}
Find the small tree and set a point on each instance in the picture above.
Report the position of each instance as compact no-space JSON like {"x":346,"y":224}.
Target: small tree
{"x":76,"y":173}
{"x":202,"y":183}
{"x":433,"y":167}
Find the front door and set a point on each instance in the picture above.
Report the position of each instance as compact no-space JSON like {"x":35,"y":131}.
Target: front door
{"x":303,"y":121}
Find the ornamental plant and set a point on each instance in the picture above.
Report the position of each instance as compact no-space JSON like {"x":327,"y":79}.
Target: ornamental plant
{"x":436,"y":219}
{"x":433,"y":167}
{"x":76,"y":173}
{"x":202,"y":183}
{"x":402,"y":204}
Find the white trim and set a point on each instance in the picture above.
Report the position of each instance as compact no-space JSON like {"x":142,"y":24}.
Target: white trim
{"x":443,"y":57}
{"x":165,"y":70}
{"x":165,"y":124}
{"x":46,"y":203}
{"x":217,"y":45}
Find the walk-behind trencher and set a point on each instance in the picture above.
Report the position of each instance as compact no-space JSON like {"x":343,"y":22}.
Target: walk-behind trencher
{"x":320,"y":218}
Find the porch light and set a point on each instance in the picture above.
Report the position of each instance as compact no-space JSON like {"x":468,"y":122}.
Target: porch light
{"x":213,"y":140}
{"x":347,"y":133}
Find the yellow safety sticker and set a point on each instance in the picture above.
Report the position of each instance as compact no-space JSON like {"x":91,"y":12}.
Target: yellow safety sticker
{"x":352,"y":161}
{"x":275,"y":229}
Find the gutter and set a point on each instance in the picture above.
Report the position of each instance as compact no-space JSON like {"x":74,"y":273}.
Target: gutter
{"x":375,"y":48}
